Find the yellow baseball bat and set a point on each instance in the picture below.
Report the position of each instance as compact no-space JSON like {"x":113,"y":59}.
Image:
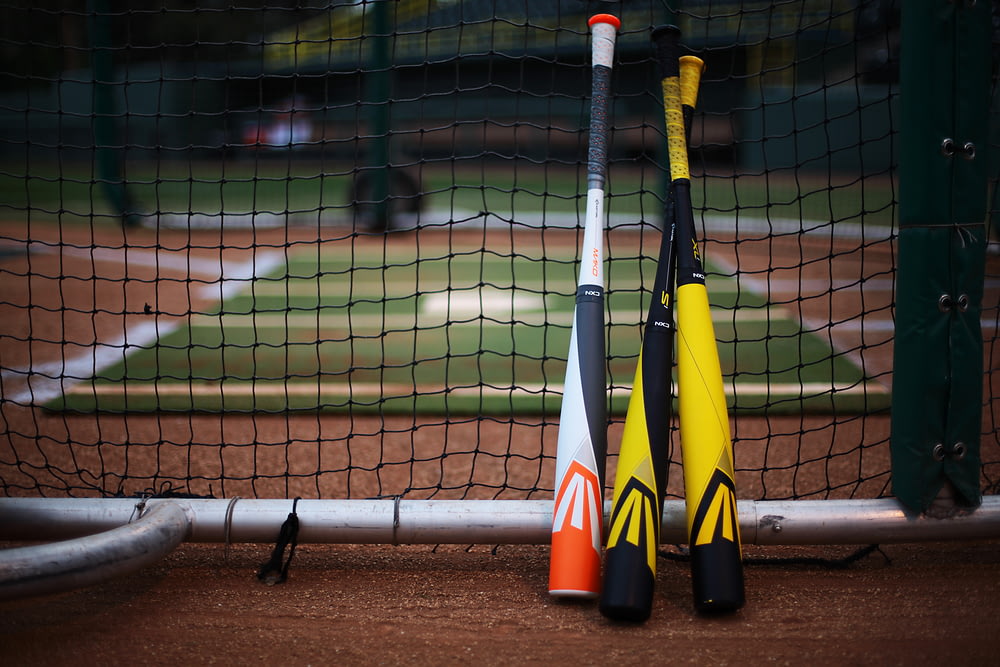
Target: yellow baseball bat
{"x":706,"y":445}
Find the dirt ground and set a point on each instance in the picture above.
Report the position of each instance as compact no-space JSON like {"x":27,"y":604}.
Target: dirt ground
{"x":378,"y":604}
{"x":924,"y":604}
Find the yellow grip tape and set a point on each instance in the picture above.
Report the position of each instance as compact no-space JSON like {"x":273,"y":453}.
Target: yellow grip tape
{"x":676,"y":140}
{"x":691,"y":68}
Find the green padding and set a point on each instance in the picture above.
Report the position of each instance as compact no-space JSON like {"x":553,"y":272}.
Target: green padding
{"x":945,"y":93}
{"x":965,"y":405}
{"x":937,"y":376}
{"x":973,"y":85}
{"x":938,"y":365}
{"x":927,"y":112}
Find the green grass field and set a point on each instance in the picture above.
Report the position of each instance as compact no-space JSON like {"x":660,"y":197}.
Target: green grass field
{"x":462,"y":333}
{"x":70,"y":193}
{"x":470,"y":333}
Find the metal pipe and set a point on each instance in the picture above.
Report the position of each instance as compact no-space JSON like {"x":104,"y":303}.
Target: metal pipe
{"x":389,"y":521}
{"x":49,"y":568}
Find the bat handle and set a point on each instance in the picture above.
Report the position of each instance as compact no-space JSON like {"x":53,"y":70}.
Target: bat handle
{"x":603,"y":27}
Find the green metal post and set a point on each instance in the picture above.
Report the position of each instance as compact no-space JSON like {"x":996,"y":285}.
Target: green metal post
{"x":943,"y":169}
{"x":379,"y":90}
{"x":108,"y":162}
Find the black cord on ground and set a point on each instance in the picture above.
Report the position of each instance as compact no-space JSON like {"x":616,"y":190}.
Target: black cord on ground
{"x":683,"y":555}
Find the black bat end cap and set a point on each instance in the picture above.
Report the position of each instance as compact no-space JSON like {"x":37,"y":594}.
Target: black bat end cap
{"x":625,"y":613}
{"x":666,"y":46}
{"x":666,"y":31}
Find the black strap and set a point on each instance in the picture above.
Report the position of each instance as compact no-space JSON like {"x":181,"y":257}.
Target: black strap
{"x":273,"y":571}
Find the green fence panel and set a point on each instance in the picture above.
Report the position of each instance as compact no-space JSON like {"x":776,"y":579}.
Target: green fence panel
{"x":938,"y":354}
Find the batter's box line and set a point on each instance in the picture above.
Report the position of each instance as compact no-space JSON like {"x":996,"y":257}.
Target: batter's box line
{"x":47,"y":381}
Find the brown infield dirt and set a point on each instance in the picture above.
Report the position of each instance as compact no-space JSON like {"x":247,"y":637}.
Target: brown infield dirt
{"x":926,"y":604}
{"x":916,"y":604}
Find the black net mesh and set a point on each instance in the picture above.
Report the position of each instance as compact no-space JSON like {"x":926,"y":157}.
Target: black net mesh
{"x":329,"y":249}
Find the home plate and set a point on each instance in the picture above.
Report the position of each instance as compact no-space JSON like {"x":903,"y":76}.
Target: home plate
{"x":489,"y":301}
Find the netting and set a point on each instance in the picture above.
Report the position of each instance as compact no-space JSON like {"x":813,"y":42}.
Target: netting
{"x":329,"y":249}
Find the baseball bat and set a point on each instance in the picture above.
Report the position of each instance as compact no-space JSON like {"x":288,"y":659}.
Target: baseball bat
{"x":578,"y":515}
{"x":640,"y":482}
{"x":706,"y":445}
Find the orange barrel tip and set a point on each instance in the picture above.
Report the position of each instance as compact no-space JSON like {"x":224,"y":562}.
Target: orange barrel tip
{"x":605,"y":18}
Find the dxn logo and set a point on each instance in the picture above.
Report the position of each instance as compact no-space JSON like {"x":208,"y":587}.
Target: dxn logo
{"x":716,"y":517}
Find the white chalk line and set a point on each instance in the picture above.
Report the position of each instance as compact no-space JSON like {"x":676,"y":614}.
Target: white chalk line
{"x":179,"y":260}
{"x":43,"y":382}
{"x":319,"y":389}
{"x":323,"y":319}
{"x":743,"y":226}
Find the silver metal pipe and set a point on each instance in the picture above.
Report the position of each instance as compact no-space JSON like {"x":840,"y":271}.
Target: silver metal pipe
{"x":765,"y":522}
{"x":60,"y":566}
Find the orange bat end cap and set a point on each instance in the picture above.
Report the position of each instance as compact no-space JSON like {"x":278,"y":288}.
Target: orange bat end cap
{"x":605,"y":18}
{"x":575,"y":572}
